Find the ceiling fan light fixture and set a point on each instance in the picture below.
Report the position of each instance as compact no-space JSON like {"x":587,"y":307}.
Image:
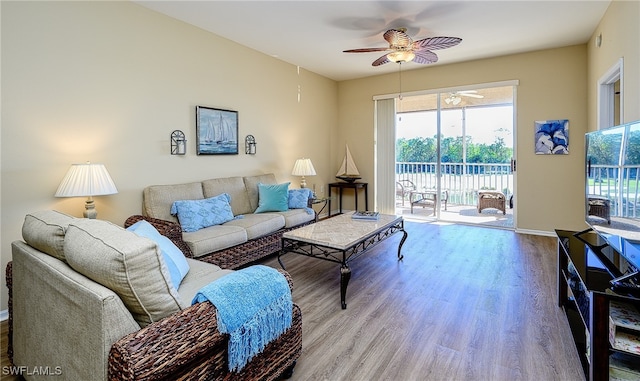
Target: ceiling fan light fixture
{"x":401,"y":56}
{"x":453,"y":99}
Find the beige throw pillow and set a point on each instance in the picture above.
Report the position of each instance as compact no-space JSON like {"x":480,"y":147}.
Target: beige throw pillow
{"x":130,"y":265}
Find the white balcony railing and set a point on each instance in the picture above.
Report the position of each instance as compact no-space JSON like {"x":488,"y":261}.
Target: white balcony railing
{"x":462,"y":181}
{"x":621,"y":185}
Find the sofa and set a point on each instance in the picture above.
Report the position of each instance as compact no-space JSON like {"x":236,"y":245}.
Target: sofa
{"x":253,"y":233}
{"x":89,"y":300}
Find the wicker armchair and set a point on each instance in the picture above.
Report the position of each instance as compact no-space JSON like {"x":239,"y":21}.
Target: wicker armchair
{"x":492,"y":199}
{"x":599,"y":206}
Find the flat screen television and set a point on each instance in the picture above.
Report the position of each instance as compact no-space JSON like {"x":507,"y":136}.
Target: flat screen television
{"x":612,"y":202}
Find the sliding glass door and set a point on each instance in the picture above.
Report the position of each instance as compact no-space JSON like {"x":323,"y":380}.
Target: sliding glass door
{"x":452,"y":149}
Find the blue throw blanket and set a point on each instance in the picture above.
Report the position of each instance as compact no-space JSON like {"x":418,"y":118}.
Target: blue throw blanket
{"x":254,"y":307}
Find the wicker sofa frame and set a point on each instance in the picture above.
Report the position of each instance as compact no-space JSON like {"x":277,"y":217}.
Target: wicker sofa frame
{"x":230,"y":258}
{"x":188,"y":346}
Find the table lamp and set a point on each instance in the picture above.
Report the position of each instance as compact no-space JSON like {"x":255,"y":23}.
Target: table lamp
{"x":303,"y":167}
{"x":87,"y":180}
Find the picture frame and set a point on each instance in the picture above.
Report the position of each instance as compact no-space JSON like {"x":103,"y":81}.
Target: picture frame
{"x":551,"y":137}
{"x":216,"y":131}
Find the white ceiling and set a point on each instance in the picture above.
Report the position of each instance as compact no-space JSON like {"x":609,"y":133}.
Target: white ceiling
{"x":313,"y":34}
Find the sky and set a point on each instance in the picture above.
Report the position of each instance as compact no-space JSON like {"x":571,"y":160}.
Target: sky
{"x":482,"y":124}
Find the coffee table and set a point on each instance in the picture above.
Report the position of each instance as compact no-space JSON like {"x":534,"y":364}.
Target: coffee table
{"x":341,"y":239}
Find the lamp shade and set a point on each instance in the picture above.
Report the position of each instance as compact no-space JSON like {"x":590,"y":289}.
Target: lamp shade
{"x":303,"y":167}
{"x":86,"y":180}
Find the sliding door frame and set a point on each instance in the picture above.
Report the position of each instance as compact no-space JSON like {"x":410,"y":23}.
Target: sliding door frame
{"x":384,"y":182}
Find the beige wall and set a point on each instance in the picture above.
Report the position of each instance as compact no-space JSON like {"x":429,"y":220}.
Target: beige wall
{"x":109,"y":81}
{"x":545,"y":184}
{"x":620,"y":30}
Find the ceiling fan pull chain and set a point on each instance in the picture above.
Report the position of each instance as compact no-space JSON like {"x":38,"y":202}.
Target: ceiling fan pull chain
{"x":400,"y":77}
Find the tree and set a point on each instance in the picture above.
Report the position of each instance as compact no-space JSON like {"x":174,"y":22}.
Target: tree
{"x":423,"y":150}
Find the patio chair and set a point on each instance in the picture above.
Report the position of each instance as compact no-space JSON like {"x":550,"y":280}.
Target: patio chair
{"x":404,"y":188}
{"x":599,"y":206}
{"x":491,"y":199}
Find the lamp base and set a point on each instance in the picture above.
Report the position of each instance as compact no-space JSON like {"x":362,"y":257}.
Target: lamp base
{"x":303,"y":182}
{"x":90,"y":209}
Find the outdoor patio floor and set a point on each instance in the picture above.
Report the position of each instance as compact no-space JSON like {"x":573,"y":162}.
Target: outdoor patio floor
{"x":464,"y":214}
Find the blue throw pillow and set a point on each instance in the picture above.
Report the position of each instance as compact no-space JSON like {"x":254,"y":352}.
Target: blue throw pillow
{"x":273,"y":198}
{"x":299,"y":198}
{"x":198,"y":214}
{"x":174,"y":258}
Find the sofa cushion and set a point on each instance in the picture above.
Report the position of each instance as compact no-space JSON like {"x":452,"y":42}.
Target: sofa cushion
{"x":299,"y":198}
{"x":258,"y":225}
{"x":174,"y":258}
{"x":197,"y":214}
{"x":235,"y":187}
{"x":157,"y":199}
{"x":200,"y":275}
{"x":129,"y":265}
{"x":251,"y":183}
{"x":45,"y":230}
{"x":295,"y":217}
{"x":214,"y":238}
{"x":273,"y":197}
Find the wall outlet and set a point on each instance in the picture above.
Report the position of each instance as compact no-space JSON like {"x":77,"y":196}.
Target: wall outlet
{"x":321,"y":189}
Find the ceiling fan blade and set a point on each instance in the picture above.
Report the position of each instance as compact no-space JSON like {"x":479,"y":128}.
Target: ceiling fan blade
{"x":397,"y":38}
{"x":365,"y":50}
{"x":425,"y":57}
{"x":433,"y":43}
{"x":381,"y":61}
{"x":471,"y":95}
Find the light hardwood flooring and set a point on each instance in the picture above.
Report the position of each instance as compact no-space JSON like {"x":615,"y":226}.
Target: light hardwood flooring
{"x":466,"y":303}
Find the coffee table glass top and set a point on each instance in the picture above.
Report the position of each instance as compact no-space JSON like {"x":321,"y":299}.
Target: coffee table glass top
{"x":342,"y":231}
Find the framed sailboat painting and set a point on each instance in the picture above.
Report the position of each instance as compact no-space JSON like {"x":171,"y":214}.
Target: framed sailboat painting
{"x":216,"y":131}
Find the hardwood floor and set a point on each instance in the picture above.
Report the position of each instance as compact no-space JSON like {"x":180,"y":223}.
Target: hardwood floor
{"x":466,"y":303}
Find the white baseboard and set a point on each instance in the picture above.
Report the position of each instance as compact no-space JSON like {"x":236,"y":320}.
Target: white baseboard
{"x":4,"y":315}
{"x":536,"y":232}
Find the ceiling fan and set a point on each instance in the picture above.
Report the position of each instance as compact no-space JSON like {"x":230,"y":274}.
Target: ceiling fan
{"x":455,"y":97}
{"x":404,"y":49}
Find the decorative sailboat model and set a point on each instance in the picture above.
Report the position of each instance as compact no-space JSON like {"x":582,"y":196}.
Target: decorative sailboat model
{"x":348,"y":170}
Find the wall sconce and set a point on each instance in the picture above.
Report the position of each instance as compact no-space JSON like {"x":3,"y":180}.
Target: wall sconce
{"x":178,"y":143}
{"x":250,"y":145}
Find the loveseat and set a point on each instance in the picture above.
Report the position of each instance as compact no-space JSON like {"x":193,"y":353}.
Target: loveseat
{"x":89,"y":300}
{"x":254,"y":231}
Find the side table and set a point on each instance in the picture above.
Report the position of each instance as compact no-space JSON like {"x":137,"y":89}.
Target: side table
{"x":322,"y":201}
{"x":355,"y":186}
